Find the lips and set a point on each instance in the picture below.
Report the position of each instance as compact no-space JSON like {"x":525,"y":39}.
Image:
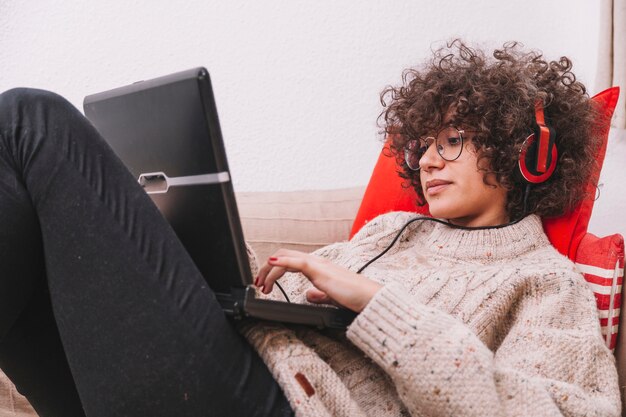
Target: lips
{"x":436,"y":186}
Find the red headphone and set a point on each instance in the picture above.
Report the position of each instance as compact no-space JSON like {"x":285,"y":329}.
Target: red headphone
{"x":537,"y":157}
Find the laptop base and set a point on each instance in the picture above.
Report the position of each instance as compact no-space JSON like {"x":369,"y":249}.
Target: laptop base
{"x":242,"y":303}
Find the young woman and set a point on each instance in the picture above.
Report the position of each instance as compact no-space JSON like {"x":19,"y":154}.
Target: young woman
{"x":103,"y":312}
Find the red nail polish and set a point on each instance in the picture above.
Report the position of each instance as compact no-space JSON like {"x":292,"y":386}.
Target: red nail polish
{"x":273,"y":258}
{"x":256,"y":281}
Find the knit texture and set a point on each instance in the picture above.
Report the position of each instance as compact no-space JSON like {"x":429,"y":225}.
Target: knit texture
{"x":468,"y":323}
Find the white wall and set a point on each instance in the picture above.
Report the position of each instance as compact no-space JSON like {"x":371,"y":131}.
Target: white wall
{"x":609,"y":211}
{"x":296,"y":82}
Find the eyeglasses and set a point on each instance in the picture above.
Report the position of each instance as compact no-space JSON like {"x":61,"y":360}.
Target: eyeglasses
{"x":448,"y":142}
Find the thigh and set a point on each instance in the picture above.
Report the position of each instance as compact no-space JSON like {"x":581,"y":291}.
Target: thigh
{"x":31,"y":353}
{"x":142,"y":332}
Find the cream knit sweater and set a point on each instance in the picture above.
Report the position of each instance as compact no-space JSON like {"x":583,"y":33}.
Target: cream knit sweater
{"x":468,"y":323}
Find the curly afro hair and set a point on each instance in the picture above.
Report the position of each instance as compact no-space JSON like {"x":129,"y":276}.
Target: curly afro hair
{"x":495,"y":96}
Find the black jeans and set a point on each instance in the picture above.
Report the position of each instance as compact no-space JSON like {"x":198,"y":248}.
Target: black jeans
{"x":102,"y":311}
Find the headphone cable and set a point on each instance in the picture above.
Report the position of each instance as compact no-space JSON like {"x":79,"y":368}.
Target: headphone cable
{"x":395,"y":239}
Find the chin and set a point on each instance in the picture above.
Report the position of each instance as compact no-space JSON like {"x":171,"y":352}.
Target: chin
{"x":441,"y":211}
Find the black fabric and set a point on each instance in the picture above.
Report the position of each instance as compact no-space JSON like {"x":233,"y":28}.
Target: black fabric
{"x":101,"y":308}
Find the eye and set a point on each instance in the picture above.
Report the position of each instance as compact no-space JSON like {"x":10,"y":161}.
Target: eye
{"x":453,"y":141}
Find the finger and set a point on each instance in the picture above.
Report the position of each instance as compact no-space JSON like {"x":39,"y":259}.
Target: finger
{"x":267,"y":285}
{"x":297,"y":254}
{"x":264,"y":270}
{"x":280,"y":266}
{"x":266,"y":267}
{"x":316,"y":296}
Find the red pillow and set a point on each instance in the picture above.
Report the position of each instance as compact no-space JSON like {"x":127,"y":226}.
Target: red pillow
{"x":385,"y":193}
{"x":601,"y":261}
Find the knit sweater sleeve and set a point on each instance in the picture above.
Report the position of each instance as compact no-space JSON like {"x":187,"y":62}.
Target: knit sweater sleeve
{"x":552,"y":360}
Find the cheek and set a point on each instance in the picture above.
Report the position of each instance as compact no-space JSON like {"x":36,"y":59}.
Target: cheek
{"x":490,"y":194}
{"x":480,"y":191}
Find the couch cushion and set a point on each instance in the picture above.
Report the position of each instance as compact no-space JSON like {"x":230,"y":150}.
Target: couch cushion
{"x":300,"y":220}
{"x":12,"y":403}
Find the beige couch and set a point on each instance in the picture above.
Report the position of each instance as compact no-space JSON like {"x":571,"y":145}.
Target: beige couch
{"x":302,"y":220}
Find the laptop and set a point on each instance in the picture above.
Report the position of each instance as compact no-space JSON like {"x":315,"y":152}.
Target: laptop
{"x":167,"y":133}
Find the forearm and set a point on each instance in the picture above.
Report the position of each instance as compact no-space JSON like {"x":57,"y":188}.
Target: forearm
{"x":429,"y":355}
{"x":440,"y":367}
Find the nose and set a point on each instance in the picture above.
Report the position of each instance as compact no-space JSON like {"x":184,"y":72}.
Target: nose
{"x":431,"y":159}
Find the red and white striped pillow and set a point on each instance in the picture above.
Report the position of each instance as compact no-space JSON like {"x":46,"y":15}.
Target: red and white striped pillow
{"x":601,"y":261}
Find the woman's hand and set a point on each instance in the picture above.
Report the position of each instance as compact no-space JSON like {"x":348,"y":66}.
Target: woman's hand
{"x":333,"y":284}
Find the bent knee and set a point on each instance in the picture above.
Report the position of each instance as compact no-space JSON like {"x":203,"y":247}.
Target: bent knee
{"x":29,"y":98}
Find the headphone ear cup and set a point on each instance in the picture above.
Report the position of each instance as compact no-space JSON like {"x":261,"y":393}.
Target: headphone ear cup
{"x":528,"y":160}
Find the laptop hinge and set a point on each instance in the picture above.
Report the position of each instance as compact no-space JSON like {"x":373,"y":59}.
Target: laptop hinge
{"x":233,"y":303}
